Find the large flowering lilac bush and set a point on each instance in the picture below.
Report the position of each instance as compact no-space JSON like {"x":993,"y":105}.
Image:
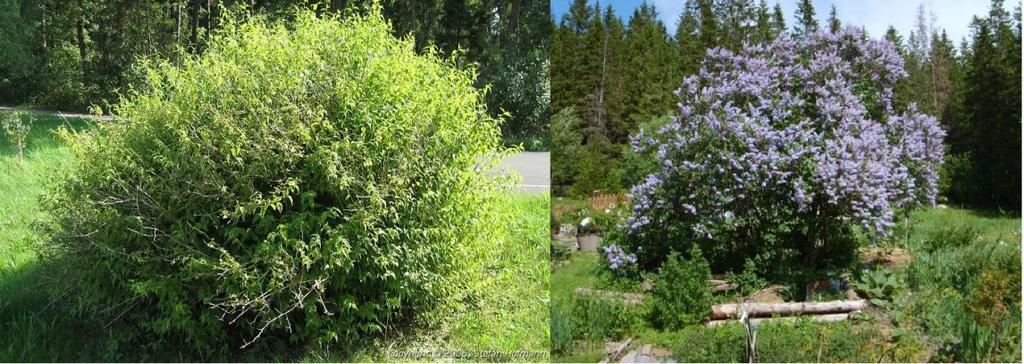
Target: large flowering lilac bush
{"x":780,"y":151}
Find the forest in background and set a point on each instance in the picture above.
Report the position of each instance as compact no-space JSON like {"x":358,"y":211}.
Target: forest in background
{"x":611,"y":78}
{"x":69,"y":55}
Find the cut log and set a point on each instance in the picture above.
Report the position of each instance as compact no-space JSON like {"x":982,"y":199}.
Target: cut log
{"x":724,"y":287}
{"x":831,"y":317}
{"x":717,"y":285}
{"x":627,"y":298}
{"x":733,"y":310}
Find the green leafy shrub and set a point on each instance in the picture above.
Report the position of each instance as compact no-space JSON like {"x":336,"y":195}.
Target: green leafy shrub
{"x":598,"y":318}
{"x":317,"y":183}
{"x":16,"y":126}
{"x":966,"y":289}
{"x":681,"y":294}
{"x":559,"y":251}
{"x":957,"y":267}
{"x":748,"y":280}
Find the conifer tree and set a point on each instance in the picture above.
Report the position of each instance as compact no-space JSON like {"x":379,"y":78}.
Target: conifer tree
{"x":833,"y":20}
{"x":689,"y":49}
{"x":805,"y":20}
{"x":778,"y":20}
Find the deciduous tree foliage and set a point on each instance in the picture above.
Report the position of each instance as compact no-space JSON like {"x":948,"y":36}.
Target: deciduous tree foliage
{"x":68,"y":55}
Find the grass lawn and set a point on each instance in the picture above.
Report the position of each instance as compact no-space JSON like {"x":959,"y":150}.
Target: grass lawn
{"x":991,"y":225}
{"x":511,"y":316}
{"x":578,"y":273}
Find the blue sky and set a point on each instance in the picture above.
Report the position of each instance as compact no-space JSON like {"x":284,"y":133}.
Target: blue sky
{"x":874,"y":15}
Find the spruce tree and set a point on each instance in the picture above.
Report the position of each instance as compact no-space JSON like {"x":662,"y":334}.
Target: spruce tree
{"x":833,"y":20}
{"x":708,"y":33}
{"x":763,"y":28}
{"x":651,"y":71}
{"x":805,"y":21}
{"x":688,"y":46}
{"x":778,"y":20}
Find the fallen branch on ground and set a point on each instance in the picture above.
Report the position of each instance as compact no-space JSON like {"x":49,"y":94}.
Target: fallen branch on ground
{"x":732,"y":310}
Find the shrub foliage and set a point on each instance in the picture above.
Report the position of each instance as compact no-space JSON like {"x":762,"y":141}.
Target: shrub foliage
{"x":681,"y":294}
{"x":319,"y":181}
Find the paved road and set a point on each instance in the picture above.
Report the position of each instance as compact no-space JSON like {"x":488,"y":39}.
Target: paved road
{"x":55,"y":113}
{"x":535,"y":167}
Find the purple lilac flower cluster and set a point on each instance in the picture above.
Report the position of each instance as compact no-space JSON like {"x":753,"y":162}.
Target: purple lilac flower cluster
{"x":808,"y":123}
{"x":617,"y":258}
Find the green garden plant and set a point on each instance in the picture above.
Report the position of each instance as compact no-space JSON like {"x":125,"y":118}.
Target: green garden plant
{"x":16,"y":126}
{"x":748,"y":280}
{"x":681,"y":294}
{"x":879,"y":285}
{"x":599,"y":318}
{"x":311,"y":183}
{"x":563,"y":326}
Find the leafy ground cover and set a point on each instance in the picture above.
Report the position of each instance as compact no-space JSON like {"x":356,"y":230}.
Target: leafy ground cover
{"x":935,"y":310}
{"x":510,"y":315}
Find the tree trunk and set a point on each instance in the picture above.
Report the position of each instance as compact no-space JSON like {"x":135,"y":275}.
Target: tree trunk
{"x":209,"y":15}
{"x":733,"y":310}
{"x":80,"y":25}
{"x":337,"y":6}
{"x":195,"y":23}
{"x":177,"y":21}
{"x":42,"y":25}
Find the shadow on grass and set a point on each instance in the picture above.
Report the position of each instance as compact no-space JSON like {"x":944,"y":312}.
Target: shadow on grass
{"x":36,"y":328}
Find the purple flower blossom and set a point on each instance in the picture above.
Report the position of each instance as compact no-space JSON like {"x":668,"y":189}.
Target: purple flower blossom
{"x":801,"y":123}
{"x":617,"y":258}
